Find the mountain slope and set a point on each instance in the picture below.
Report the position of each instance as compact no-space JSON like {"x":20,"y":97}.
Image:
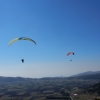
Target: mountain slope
{"x":86,"y":73}
{"x":93,"y":89}
{"x":87,"y":77}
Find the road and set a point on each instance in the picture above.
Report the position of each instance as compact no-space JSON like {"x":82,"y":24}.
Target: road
{"x":71,"y":98}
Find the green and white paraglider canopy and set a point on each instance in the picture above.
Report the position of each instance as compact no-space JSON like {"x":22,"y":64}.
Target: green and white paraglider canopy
{"x":21,"y":38}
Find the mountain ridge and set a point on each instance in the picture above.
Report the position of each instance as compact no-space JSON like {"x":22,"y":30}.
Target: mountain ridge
{"x":86,"y":73}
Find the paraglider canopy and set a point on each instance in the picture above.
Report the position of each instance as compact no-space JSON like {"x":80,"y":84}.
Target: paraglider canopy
{"x":70,"y":53}
{"x":21,"y":38}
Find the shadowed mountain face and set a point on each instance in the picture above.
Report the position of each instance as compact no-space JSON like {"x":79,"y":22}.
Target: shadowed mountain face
{"x":87,"y":77}
{"x":86,"y":73}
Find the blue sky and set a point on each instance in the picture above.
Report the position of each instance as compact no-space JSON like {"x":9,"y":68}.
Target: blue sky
{"x":57,"y":26}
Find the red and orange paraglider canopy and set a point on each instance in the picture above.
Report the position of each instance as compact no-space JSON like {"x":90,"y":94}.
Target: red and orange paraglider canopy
{"x":70,"y":53}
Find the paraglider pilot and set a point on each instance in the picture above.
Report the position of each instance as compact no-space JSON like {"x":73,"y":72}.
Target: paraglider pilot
{"x":22,"y":60}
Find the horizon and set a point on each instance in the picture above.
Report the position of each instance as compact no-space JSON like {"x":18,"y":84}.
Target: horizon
{"x":48,"y":76}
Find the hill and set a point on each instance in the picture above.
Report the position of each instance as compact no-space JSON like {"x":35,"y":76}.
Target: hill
{"x":84,"y":76}
{"x":93,"y":89}
{"x":14,"y":79}
{"x":86,"y":73}
{"x":87,"y":77}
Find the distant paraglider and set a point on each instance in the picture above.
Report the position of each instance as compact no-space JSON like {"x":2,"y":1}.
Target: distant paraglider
{"x":21,"y":38}
{"x":70,"y":53}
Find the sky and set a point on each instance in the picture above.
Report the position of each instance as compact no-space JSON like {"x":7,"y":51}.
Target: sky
{"x":58,"y":27}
